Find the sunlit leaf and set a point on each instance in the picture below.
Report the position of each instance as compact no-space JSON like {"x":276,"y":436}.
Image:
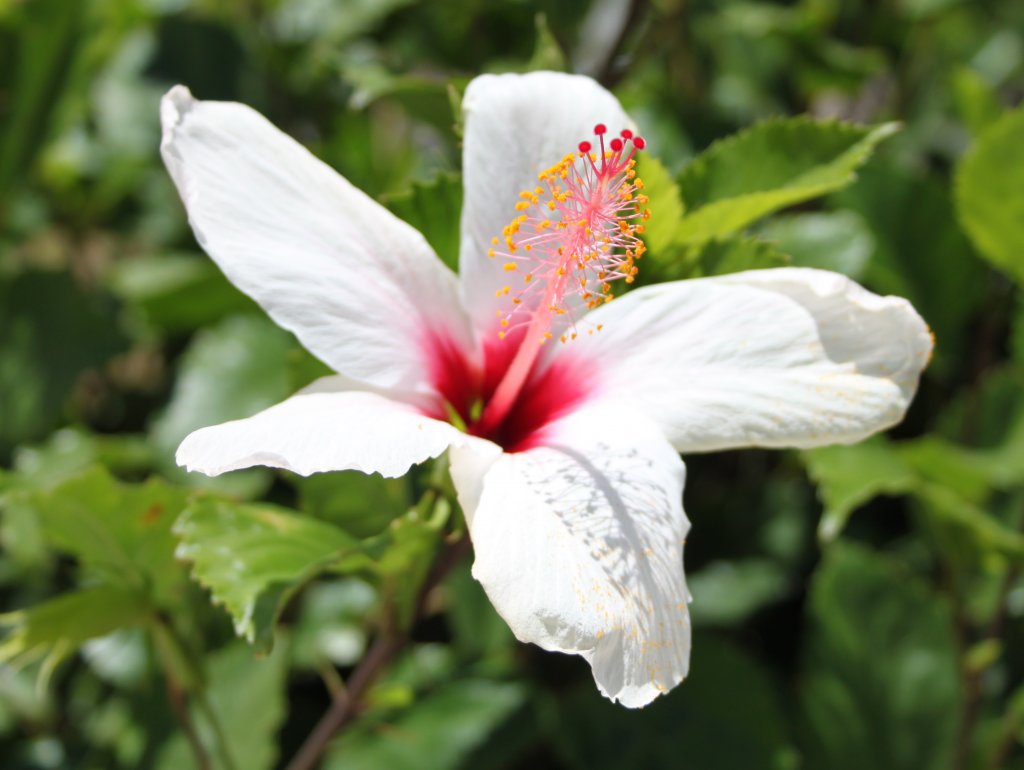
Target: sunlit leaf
{"x":772,"y":165}
{"x":252,"y":557}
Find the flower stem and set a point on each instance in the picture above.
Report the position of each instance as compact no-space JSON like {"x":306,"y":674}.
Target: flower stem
{"x":347,"y":703}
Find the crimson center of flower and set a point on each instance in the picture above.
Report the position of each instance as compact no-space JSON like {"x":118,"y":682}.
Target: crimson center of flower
{"x":573,"y":235}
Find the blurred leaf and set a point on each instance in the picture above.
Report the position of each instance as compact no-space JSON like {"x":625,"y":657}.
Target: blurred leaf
{"x":359,"y":503}
{"x":990,"y":193}
{"x":734,"y":255}
{"x":230,"y":371}
{"x":880,"y":684}
{"x":772,"y":165}
{"x":330,"y":623}
{"x":253,"y":558}
{"x":920,"y":253}
{"x":975,"y":100}
{"x":435,"y":733}
{"x":119,"y":532}
{"x":434,"y":209}
{"x":403,"y":555}
{"x":44,"y":52}
{"x":49,"y":334}
{"x":984,"y":529}
{"x":835,"y":240}
{"x":247,"y":696}
{"x":478,"y":631}
{"x":726,"y":715}
{"x":177,"y":292}
{"x":727,"y":593}
{"x":547,"y":53}
{"x":849,"y":476}
{"x":59,"y":626}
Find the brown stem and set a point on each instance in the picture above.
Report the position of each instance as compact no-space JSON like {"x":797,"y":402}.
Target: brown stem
{"x":177,"y":700}
{"x":383,"y":651}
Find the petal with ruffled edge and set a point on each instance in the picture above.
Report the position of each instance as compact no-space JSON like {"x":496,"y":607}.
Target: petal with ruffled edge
{"x":516,"y":127}
{"x":579,"y":546}
{"x":361,"y":289}
{"x":787,"y":357}
{"x":325,"y":427}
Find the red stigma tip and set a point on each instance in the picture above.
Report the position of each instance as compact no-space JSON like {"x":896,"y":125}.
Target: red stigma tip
{"x":585,"y":147}
{"x":639,"y":143}
{"x":616,"y":145}
{"x":626,"y":134}
{"x":600,"y":129}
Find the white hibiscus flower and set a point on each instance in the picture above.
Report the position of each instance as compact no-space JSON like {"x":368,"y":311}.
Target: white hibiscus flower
{"x":565,"y":456}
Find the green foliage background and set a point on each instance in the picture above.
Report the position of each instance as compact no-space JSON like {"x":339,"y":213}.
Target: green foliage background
{"x":855,"y":607}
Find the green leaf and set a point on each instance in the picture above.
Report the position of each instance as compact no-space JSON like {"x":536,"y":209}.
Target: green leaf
{"x":434,"y":209}
{"x":253,"y":557}
{"x":849,"y":476}
{"x":120,"y":533}
{"x":990,"y":193}
{"x":880,"y":684}
{"x":727,"y":715}
{"x":438,"y":732}
{"x":246,"y":698}
{"x":734,"y":255}
{"x":361,"y":504}
{"x":835,"y":240}
{"x":666,"y":207}
{"x":727,"y":593}
{"x":547,"y":53}
{"x":975,"y":100}
{"x":230,"y":371}
{"x":920,"y":253}
{"x":59,"y":626}
{"x":769,"y":166}
{"x":177,"y":292}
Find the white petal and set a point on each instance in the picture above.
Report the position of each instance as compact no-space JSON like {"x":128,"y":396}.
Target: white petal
{"x":361,"y":289}
{"x":325,"y":427}
{"x":579,"y":546}
{"x":788,"y":357}
{"x":517,"y":126}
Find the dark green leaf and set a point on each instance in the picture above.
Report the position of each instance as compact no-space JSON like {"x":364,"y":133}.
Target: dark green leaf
{"x":880,"y":684}
{"x":434,"y":209}
{"x":50,"y":333}
{"x":990,"y":193}
{"x":849,"y":476}
{"x":232,"y":370}
{"x":726,"y":715}
{"x":436,"y":733}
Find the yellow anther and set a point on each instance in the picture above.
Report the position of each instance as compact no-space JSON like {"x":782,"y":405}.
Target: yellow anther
{"x":490,"y":253}
{"x":522,"y":205}
{"x":510,"y":266}
{"x":528,"y":277}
